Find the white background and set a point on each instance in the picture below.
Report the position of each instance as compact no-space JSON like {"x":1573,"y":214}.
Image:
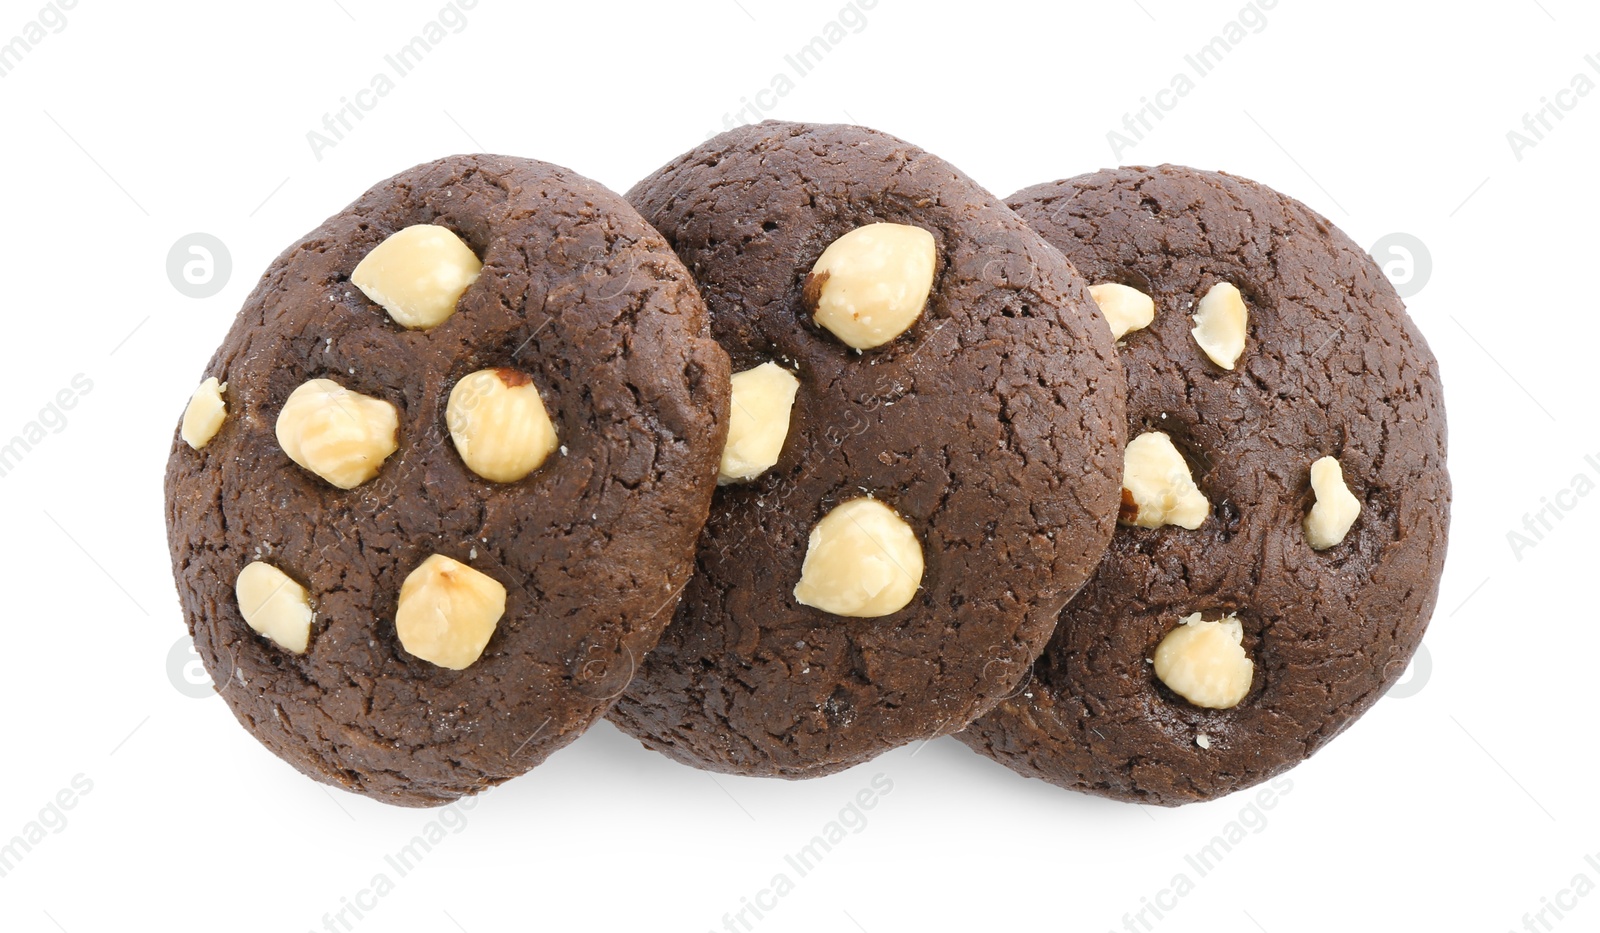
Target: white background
{"x":1461,"y":806}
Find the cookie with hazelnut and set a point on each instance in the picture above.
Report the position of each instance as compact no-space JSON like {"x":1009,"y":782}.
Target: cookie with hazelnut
{"x":440,"y":489}
{"x":1285,"y":501}
{"x":929,"y":452}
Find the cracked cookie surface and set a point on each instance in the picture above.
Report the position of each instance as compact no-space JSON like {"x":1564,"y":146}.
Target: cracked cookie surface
{"x":1332,"y":366}
{"x":992,"y":427}
{"x":575,"y":291}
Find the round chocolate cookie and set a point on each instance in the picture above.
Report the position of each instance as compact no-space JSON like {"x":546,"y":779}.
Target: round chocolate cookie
{"x":1285,"y":504}
{"x":890,"y":558}
{"x":443,"y":483}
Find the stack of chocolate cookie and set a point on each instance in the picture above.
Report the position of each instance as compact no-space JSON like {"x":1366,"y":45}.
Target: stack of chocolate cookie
{"x":807,"y":449}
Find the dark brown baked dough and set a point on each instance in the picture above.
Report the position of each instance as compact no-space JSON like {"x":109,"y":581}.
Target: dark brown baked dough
{"x":592,"y":547}
{"x":993,"y":426}
{"x":1332,"y":366}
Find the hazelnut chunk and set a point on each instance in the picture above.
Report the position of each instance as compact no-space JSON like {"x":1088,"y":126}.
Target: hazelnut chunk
{"x":1336,"y":508}
{"x":1205,"y":663}
{"x":862,"y":560}
{"x":448,"y":611}
{"x":1125,"y":308}
{"x":499,"y":424}
{"x":274,"y":605}
{"x":1157,"y":488}
{"x":1220,"y":324}
{"x":418,"y":274}
{"x":869,"y":286}
{"x":758,"y":421}
{"x":205,"y":414}
{"x":340,"y":435}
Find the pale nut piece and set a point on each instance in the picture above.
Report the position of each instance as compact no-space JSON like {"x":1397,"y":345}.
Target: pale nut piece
{"x":870,"y":285}
{"x":448,"y":611}
{"x":340,"y":435}
{"x":758,"y":422}
{"x":1220,"y":323}
{"x":1336,"y":508}
{"x":1157,"y":488}
{"x":1125,"y":308}
{"x":1205,"y":662}
{"x":499,"y":424}
{"x":205,"y":414}
{"x":862,"y":560}
{"x":274,"y":605}
{"x":418,"y":274}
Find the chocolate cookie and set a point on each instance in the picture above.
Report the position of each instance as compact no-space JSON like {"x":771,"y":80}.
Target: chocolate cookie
{"x":1285,"y":503}
{"x":924,"y":458}
{"x":443,"y":483}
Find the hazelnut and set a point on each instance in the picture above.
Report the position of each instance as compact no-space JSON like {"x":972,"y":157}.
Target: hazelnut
{"x":862,"y":560}
{"x":418,"y":274}
{"x":1220,"y":324}
{"x":205,"y":414}
{"x":1204,"y":662}
{"x":1157,"y":488}
{"x":869,"y":286}
{"x":499,"y":424}
{"x":758,"y":421}
{"x":1125,"y":308}
{"x":340,"y":435}
{"x":448,"y":611}
{"x":274,"y":605}
{"x":1336,"y":508}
